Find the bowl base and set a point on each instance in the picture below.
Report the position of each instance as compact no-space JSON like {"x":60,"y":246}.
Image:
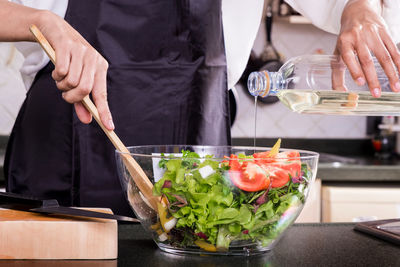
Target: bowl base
{"x":235,"y":251}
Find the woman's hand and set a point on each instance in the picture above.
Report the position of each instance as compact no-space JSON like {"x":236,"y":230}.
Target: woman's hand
{"x":79,"y":69}
{"x":363,"y":31}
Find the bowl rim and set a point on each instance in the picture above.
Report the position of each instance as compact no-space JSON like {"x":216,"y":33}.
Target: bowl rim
{"x":311,"y":154}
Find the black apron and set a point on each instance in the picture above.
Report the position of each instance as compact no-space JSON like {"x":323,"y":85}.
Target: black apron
{"x":166,"y":85}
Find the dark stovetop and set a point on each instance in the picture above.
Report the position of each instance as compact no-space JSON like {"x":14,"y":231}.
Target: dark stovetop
{"x":341,"y":160}
{"x":345,"y":151}
{"x":348,"y":154}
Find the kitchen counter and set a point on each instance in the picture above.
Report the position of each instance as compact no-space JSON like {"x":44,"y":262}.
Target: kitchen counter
{"x":302,"y":245}
{"x":338,"y":172}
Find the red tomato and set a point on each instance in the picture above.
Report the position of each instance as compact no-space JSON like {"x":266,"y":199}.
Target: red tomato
{"x":263,"y":157}
{"x":290,"y":161}
{"x":257,"y":175}
{"x":286,"y":165}
{"x":248,"y":176}
{"x":289,"y":154}
{"x":234,"y":163}
{"x":279,"y":177}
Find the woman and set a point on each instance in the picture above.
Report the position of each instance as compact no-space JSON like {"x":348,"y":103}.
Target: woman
{"x":159,"y":66}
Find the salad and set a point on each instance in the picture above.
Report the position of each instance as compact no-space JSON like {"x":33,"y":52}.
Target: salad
{"x":242,"y":200}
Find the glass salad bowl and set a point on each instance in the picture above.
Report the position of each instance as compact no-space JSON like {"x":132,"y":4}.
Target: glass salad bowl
{"x":224,"y":200}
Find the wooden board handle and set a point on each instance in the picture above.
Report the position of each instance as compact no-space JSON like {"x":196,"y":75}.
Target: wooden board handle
{"x":137,"y":173}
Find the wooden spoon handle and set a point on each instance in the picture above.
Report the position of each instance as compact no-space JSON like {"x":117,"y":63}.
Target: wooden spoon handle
{"x":137,"y":173}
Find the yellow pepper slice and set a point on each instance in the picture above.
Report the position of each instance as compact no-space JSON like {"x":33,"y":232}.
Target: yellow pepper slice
{"x":205,"y":245}
{"x":275,"y":149}
{"x":155,"y":226}
{"x":162,"y":213}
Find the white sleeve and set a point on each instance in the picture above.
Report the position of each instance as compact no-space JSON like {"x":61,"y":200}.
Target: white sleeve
{"x":390,"y":13}
{"x":35,"y":58}
{"x":241,"y":20}
{"x":324,"y":14}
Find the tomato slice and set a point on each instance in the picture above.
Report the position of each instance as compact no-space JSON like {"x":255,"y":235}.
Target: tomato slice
{"x":286,"y":165}
{"x":249,"y":176}
{"x":289,"y":155}
{"x":279,"y":177}
{"x":268,"y":168}
{"x":268,"y":156}
{"x":290,"y":161}
{"x":263,"y":157}
{"x":234,"y":163}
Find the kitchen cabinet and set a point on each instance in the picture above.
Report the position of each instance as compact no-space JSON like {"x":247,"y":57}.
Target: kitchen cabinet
{"x":358,"y":202}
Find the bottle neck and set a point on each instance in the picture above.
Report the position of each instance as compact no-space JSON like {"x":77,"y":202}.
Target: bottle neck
{"x":265,"y":83}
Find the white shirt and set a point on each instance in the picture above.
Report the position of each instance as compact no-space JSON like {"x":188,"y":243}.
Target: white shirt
{"x":240,"y":20}
{"x":326,"y":14}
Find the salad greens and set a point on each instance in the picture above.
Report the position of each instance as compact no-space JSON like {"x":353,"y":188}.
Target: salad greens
{"x":212,"y":209}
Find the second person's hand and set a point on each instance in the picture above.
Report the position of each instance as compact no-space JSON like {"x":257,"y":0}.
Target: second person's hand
{"x":364,"y":31}
{"x":79,"y":69}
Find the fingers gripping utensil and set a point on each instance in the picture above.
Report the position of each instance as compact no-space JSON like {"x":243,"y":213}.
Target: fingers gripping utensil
{"x":138,"y":175}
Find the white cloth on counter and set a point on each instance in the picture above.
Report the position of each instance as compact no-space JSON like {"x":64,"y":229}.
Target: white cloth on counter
{"x":326,"y":14}
{"x":240,"y":19}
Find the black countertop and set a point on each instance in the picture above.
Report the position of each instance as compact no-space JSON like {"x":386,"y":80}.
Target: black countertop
{"x":302,"y":245}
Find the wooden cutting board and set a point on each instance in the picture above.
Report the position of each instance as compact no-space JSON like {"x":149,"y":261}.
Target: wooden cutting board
{"x":27,"y":235}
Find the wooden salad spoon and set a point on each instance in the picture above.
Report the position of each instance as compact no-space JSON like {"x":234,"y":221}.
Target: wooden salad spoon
{"x":140,"y":178}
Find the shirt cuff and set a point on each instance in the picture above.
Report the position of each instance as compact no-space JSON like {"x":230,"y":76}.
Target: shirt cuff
{"x":241,"y":20}
{"x":390,"y":13}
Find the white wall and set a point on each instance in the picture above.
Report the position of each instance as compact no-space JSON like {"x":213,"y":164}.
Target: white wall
{"x":275,"y":120}
{"x":12,"y":89}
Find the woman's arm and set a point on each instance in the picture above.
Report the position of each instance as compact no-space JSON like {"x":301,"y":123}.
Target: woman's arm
{"x":15,"y":21}
{"x":79,"y":70}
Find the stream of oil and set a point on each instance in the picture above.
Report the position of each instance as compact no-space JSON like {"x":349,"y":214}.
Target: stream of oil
{"x":255,"y":121}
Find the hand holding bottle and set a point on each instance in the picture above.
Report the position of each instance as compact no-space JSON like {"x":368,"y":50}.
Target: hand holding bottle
{"x":364,"y":31}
